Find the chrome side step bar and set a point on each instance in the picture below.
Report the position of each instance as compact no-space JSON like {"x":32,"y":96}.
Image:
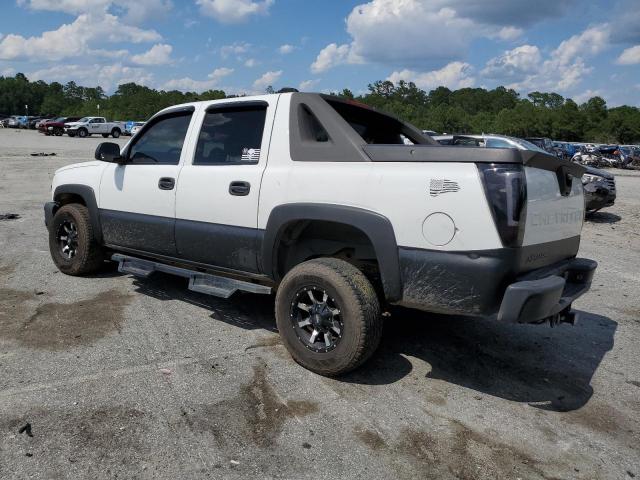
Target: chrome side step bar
{"x":206,"y":283}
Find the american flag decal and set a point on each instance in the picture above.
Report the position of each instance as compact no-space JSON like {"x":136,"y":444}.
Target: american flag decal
{"x":442,"y":185}
{"x":250,"y":155}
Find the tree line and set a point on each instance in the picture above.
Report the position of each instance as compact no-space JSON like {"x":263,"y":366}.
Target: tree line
{"x":466,"y":110}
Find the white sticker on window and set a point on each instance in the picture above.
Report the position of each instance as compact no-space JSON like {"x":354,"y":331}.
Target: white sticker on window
{"x":250,"y":154}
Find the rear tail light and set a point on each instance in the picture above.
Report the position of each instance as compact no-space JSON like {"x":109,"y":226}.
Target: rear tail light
{"x":506,"y":191}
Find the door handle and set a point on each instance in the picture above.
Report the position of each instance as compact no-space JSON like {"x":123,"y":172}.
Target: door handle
{"x":239,"y":189}
{"x":166,"y":183}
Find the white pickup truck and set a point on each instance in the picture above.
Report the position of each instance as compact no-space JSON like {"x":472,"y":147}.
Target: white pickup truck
{"x":88,"y":126}
{"x":338,"y":208}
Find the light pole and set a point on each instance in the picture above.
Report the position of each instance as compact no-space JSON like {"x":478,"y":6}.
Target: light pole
{"x":26,"y":109}
{"x":98,"y":109}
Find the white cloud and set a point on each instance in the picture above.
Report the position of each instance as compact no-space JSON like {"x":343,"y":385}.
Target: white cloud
{"x":508,"y":33}
{"x":333,"y":55}
{"x":586,"y":95}
{"x":518,"y":62}
{"x":407,"y":31}
{"x":630,"y":56}
{"x":86,"y":30}
{"x":250,"y":63}
{"x":233,"y":11}
{"x":454,"y":75}
{"x":525,"y":69}
{"x":308,"y":85}
{"x":237,"y":48}
{"x":590,"y":42}
{"x":189,"y":84}
{"x":286,"y":49}
{"x":220,"y":73}
{"x":413,"y":33}
{"x":136,"y":11}
{"x":159,"y":54}
{"x":106,"y":76}
{"x":269,"y":78}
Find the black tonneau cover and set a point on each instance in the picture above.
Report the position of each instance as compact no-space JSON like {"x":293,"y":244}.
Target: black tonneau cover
{"x":464,"y":154}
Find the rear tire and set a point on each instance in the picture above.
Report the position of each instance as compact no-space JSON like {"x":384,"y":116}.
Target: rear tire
{"x":333,"y":298}
{"x":105,"y":135}
{"x":58,"y":132}
{"x":72,"y":243}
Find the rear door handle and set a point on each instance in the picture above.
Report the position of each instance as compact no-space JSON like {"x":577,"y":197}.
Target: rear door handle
{"x":166,"y":183}
{"x":239,"y":189}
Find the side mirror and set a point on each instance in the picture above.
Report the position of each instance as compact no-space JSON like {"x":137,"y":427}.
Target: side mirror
{"x":108,"y":152}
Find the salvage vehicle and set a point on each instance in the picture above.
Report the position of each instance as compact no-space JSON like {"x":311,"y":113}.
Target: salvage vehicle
{"x":310,"y":200}
{"x":599,"y":189}
{"x":542,"y":142}
{"x":56,"y":125}
{"x":88,"y":126}
{"x":136,"y":128}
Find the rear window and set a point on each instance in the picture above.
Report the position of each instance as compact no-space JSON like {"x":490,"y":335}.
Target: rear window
{"x":374,"y":127}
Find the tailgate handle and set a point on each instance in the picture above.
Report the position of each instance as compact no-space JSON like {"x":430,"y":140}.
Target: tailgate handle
{"x":565,"y":180}
{"x":239,"y":189}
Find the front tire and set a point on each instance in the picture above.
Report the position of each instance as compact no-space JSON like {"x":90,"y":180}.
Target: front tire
{"x":82,"y":133}
{"x":72,"y":243}
{"x":115,"y":133}
{"x":328,"y":315}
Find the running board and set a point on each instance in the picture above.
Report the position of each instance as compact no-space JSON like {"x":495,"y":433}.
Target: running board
{"x":206,"y":283}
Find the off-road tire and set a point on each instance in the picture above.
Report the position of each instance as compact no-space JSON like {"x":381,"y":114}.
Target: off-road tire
{"x":89,"y":257}
{"x":359,"y":307}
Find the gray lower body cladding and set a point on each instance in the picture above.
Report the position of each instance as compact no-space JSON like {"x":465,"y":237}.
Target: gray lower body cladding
{"x":478,"y":283}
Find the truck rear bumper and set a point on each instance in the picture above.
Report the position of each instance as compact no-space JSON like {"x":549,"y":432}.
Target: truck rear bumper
{"x":505,"y":284}
{"x":547,"y":294}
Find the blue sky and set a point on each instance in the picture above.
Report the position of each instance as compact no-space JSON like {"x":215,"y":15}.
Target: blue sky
{"x":573,"y":47}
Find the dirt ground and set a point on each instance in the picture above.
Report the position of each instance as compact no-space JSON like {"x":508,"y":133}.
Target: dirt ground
{"x":126,"y":378}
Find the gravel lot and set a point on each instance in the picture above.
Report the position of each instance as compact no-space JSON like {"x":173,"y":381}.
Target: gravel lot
{"x":144,"y":379}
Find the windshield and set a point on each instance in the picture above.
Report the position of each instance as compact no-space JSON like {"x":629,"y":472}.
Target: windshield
{"x":83,"y":119}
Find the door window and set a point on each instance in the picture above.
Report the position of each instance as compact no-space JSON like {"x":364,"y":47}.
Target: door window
{"x":231,"y":136}
{"x":162,"y":142}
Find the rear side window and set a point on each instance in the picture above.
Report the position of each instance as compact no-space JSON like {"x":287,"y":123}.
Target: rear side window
{"x":231,"y":136}
{"x":162,"y":142}
{"x":374,"y":127}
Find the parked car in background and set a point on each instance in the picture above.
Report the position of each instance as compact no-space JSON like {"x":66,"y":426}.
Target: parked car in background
{"x":628,"y":154}
{"x":599,"y":189}
{"x":431,"y":133}
{"x":129,"y":125}
{"x":542,"y":142}
{"x":17,"y":121}
{"x":56,"y":125}
{"x":88,"y":126}
{"x":136,"y":128}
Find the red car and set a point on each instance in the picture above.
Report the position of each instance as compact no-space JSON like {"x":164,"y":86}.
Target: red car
{"x":55,"y":126}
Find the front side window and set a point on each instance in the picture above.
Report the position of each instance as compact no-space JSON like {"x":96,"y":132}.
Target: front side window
{"x":231,"y":136}
{"x":162,"y":142}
